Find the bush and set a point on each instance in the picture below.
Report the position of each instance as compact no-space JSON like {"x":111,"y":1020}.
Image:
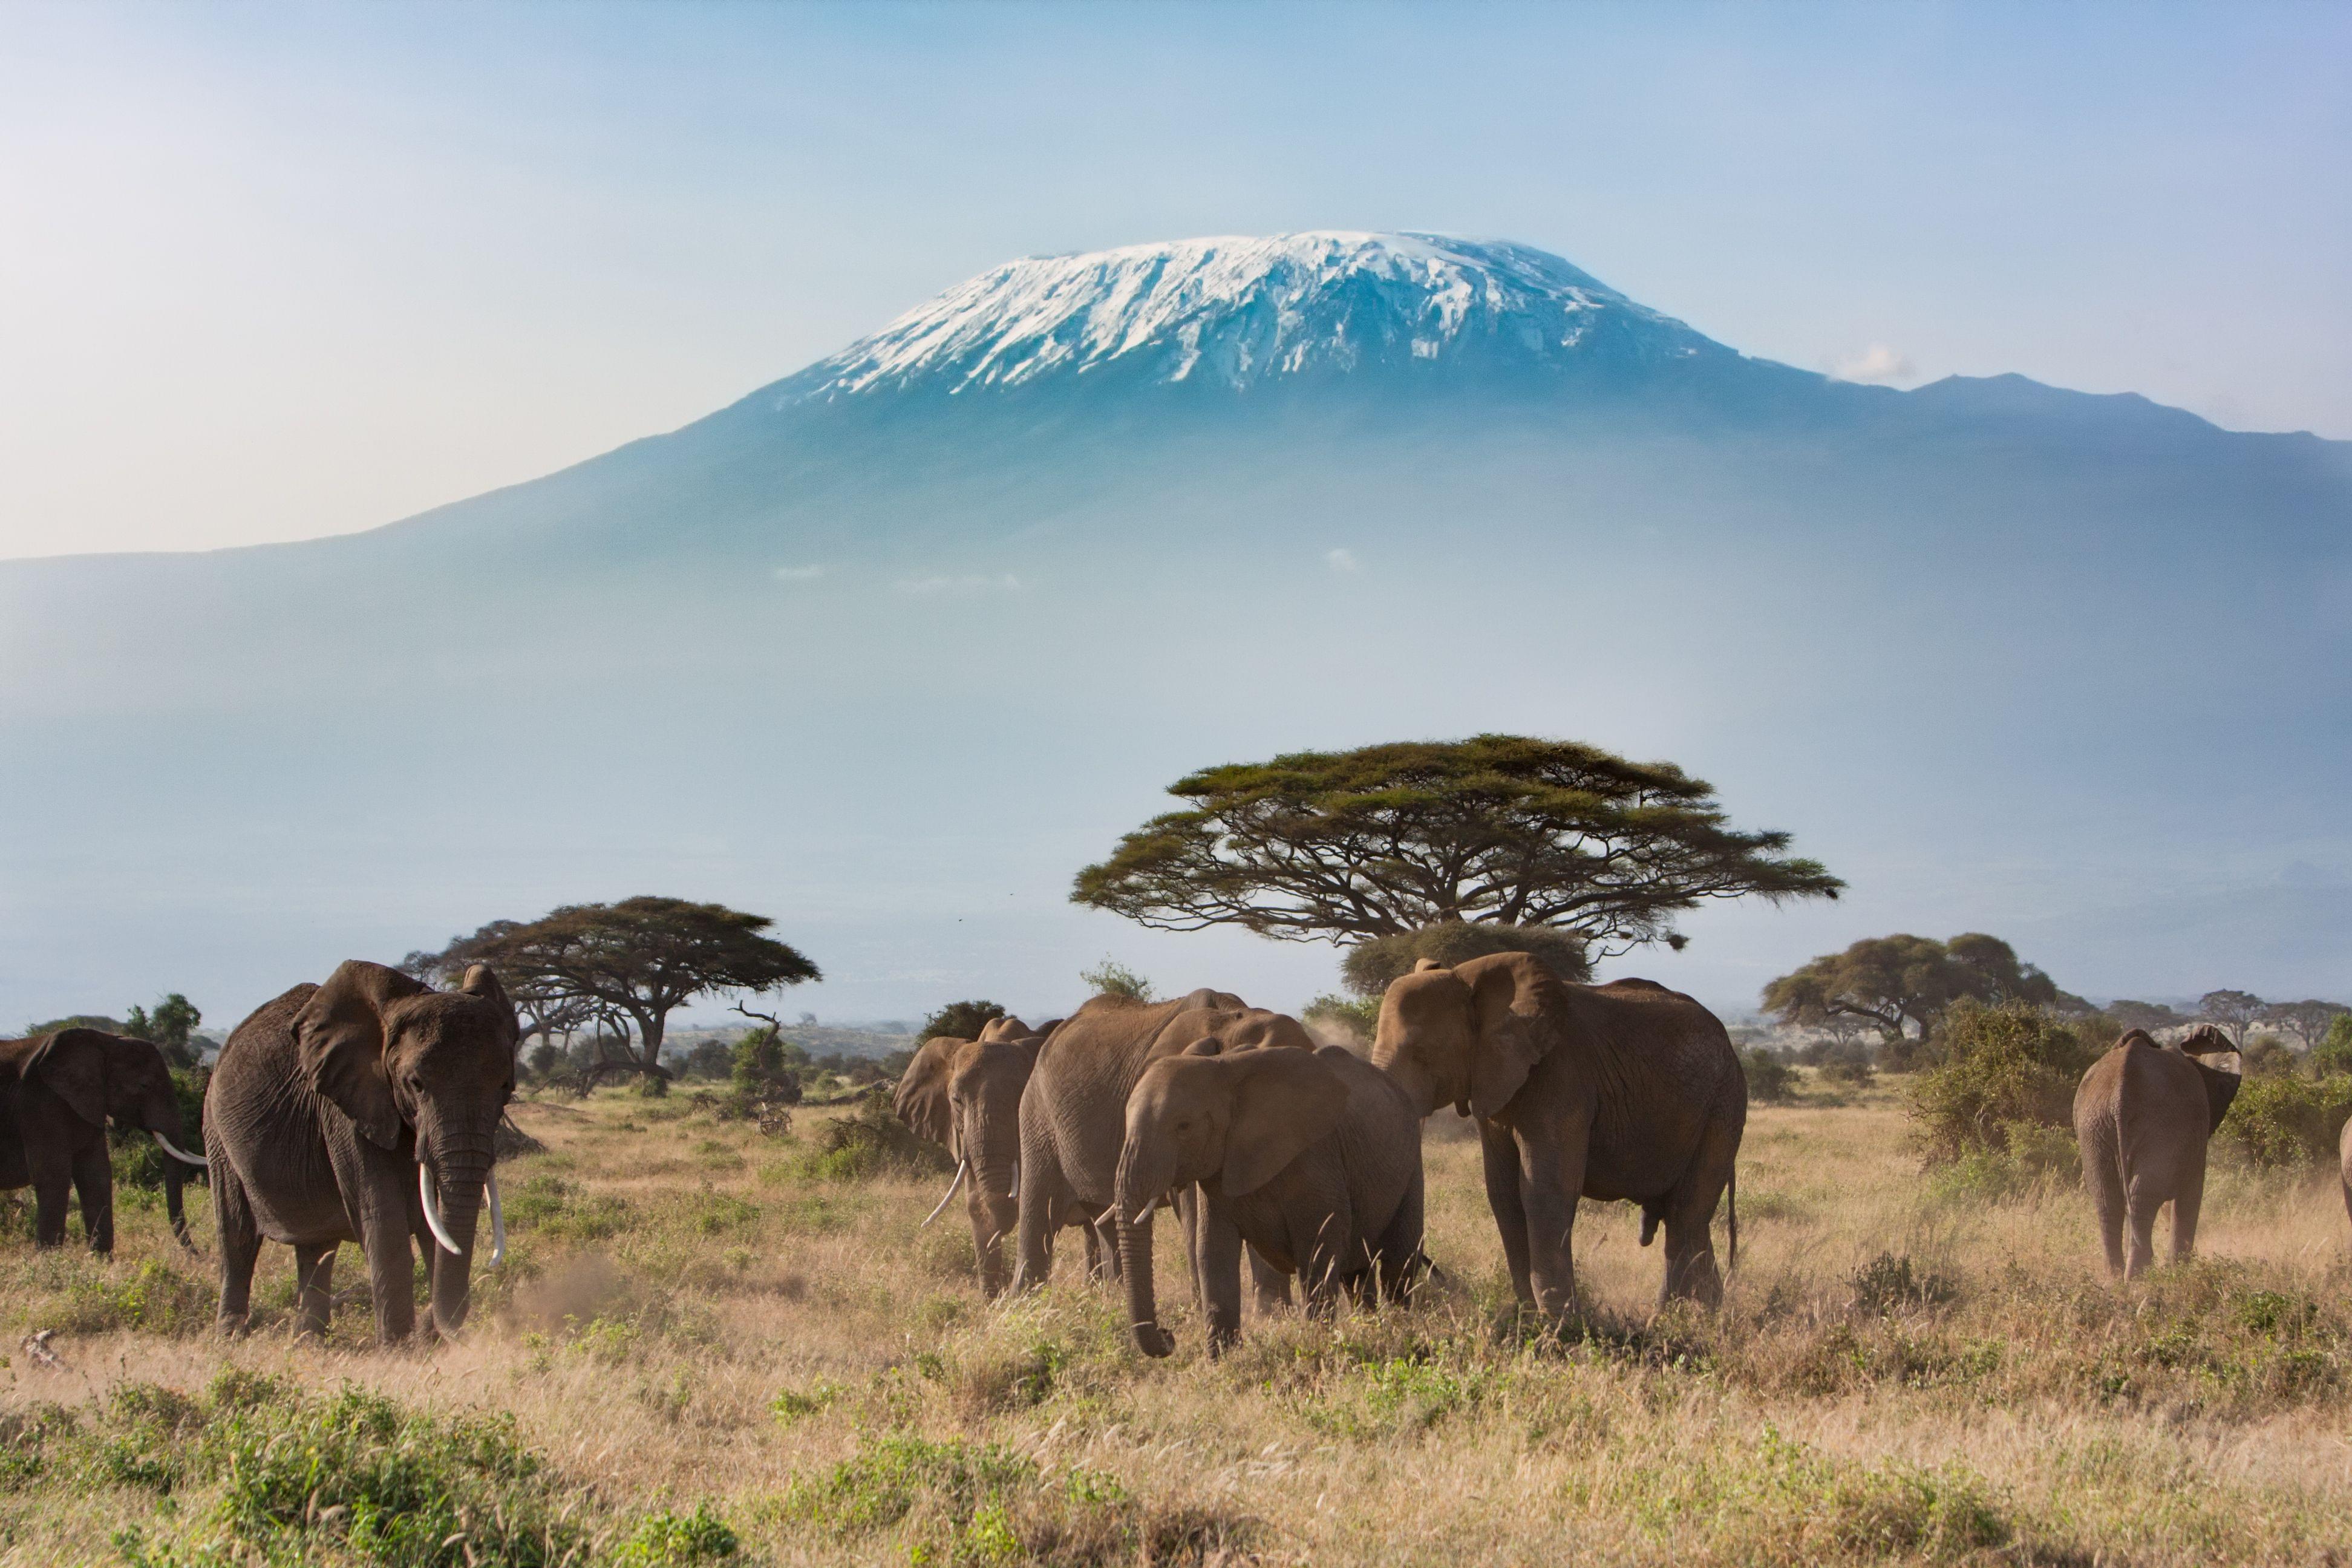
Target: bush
{"x":1112,"y":978}
{"x":139,"y":1160}
{"x":2282,"y":1122}
{"x":872,"y":1142}
{"x":1359,"y":1018}
{"x":2266,"y":1056}
{"x":1769,"y":1078}
{"x":960,"y":1020}
{"x":2335,"y":1053}
{"x":765,"y":1069}
{"x":1370,"y":965}
{"x":2001,"y":1063}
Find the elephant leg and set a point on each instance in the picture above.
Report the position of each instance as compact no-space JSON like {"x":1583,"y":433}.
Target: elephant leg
{"x":53,"y":1184}
{"x":93,"y":1178}
{"x":2186,"y":1203}
{"x":314,"y":1296}
{"x":2139,"y":1245}
{"x":1691,"y":1272}
{"x":1269,"y":1285}
{"x":1220,"y":1268}
{"x":392,"y":1278}
{"x":240,"y":1246}
{"x":1043,"y":1196}
{"x":1551,"y":1177}
{"x":1398,"y":1253}
{"x":1502,"y":1156}
{"x":2105,"y":1182}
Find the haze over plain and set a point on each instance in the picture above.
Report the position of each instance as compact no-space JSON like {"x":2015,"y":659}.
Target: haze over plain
{"x":2082,"y":688}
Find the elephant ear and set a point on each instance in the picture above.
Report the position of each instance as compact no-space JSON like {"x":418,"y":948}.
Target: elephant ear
{"x":482,"y":980}
{"x":922,"y":1101}
{"x":340,"y":1035}
{"x":71,"y":1065}
{"x":1284,"y":1102}
{"x":2220,"y":1088}
{"x":1509,"y":1032}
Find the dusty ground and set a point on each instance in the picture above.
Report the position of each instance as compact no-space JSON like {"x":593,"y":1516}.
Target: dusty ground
{"x":1907,"y":1368}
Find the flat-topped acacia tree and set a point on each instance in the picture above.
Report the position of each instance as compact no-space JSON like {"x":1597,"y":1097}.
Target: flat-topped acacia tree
{"x":641,"y":958}
{"x":1346,"y":847}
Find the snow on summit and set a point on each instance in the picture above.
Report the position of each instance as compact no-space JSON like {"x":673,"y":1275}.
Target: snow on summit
{"x":1237,"y":311}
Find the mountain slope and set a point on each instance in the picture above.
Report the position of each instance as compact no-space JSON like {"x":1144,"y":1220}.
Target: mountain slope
{"x":890,"y":646}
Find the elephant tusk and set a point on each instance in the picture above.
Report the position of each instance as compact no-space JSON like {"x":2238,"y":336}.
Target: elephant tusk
{"x":179,"y":1154}
{"x":432,"y":1214}
{"x":497,"y":1222}
{"x":953,"y":1187}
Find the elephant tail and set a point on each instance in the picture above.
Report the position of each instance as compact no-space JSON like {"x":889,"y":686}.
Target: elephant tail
{"x":1731,"y":1221}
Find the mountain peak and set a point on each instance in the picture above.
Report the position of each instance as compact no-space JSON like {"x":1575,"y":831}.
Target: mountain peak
{"x":1237,"y":311}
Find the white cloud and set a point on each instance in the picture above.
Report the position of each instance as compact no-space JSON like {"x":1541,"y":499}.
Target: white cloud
{"x":1877,"y":365}
{"x":975,"y":583}
{"x":799,"y":573}
{"x":1342,"y":561}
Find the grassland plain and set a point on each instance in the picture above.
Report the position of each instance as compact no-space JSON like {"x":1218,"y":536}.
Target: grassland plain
{"x":711,"y":1345}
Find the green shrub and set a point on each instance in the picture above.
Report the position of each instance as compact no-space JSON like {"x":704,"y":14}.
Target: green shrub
{"x":1112,"y":978}
{"x":2031,"y":1158}
{"x":2282,"y":1122}
{"x":1769,"y":1078}
{"x":2003,"y":1064}
{"x":872,"y":1142}
{"x":678,"y":1541}
{"x":1358,"y":1016}
{"x":552,"y":1206}
{"x":2334,"y":1054}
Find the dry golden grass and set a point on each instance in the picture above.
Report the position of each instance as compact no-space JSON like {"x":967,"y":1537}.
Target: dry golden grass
{"x":1904,"y":1373}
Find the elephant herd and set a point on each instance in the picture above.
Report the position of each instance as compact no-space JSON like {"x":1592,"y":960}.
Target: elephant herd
{"x":1307,"y":1161}
{"x":364,"y":1109}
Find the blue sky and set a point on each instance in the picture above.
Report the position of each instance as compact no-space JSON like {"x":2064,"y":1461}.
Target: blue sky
{"x":275,"y":271}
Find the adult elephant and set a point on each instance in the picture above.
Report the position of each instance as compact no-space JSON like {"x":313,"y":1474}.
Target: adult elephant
{"x":363,"y":1110}
{"x":1626,"y":1091}
{"x":965,"y":1096}
{"x":2143,"y":1115}
{"x":1074,"y":1112}
{"x":1311,"y":1158}
{"x":56,"y":1091}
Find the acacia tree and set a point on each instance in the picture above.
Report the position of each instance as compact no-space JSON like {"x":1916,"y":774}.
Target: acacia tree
{"x":2233,"y":1010}
{"x":2307,"y":1021}
{"x":1890,"y":982}
{"x":1501,"y":829}
{"x":637,"y":959}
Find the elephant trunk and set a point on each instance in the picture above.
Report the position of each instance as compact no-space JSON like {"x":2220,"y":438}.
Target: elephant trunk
{"x":452,"y":1191}
{"x":1141,"y":1180}
{"x":165,"y":1125}
{"x":994,"y":1147}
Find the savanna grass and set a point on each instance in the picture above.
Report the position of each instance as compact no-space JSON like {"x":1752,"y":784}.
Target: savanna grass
{"x":709,"y":1345}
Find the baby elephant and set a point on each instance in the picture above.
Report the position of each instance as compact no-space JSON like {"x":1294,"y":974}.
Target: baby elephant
{"x":1313,"y":1158}
{"x":2142,"y":1117}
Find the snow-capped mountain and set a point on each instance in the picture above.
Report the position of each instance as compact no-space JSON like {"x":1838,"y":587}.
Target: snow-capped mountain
{"x":887,"y":648}
{"x":1237,"y":311}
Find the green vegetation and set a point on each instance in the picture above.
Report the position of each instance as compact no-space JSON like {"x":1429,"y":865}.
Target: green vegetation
{"x":631,"y":962}
{"x":958,"y":1021}
{"x":1373,"y":964}
{"x":1891,"y":982}
{"x":2283,"y":1121}
{"x":1112,"y":978}
{"x":1498,"y":829}
{"x":871,"y":1141}
{"x":2004,"y":1065}
{"x":1769,"y":1078}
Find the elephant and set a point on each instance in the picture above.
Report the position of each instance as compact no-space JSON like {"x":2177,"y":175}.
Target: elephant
{"x":56,"y":1091}
{"x":1627,"y":1090}
{"x":363,"y":1110}
{"x":1074,"y":1112}
{"x":1311,"y":1158}
{"x":2143,"y":1114}
{"x":2344,"y":1161}
{"x":965,"y":1096}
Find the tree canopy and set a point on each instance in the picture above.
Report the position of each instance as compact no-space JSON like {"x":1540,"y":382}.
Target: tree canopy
{"x":2233,"y":1010}
{"x":2309,"y":1021}
{"x":1370,"y":965}
{"x":958,"y":1021}
{"x":168,"y":1026}
{"x":1890,"y":982}
{"x":637,"y":959}
{"x":1498,"y":829}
